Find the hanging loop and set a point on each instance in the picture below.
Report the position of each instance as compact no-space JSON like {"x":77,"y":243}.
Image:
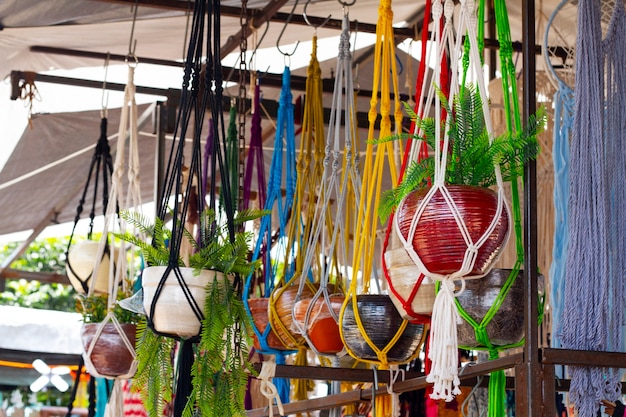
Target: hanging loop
{"x":105,"y":94}
{"x":285,"y":54}
{"x":306,"y":18}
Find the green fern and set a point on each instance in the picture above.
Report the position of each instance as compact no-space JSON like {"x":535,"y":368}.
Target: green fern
{"x":219,"y":374}
{"x":154,"y":376}
{"x":471,"y":155}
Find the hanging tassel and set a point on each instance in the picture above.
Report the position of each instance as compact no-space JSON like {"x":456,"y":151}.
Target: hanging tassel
{"x":183,"y":384}
{"x":268,"y":389}
{"x":444,"y":374}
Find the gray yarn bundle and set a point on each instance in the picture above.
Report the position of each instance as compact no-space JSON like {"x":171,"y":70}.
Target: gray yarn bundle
{"x":594,"y":289}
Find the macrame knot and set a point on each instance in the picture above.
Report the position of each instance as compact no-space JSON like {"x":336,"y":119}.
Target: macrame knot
{"x":268,"y":389}
{"x":437,"y":11}
{"x":449,"y":10}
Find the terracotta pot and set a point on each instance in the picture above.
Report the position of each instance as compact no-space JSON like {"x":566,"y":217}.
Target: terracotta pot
{"x":413,"y":299}
{"x":281,"y":317}
{"x":321,"y":327}
{"x":438,"y":240}
{"x":173,"y":314}
{"x":81,"y":259}
{"x":260,"y":315}
{"x":507,"y":325}
{"x":110,"y":356}
{"x":381,"y":321}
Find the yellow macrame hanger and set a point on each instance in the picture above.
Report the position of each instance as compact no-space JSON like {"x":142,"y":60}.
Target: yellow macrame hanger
{"x":380,"y":163}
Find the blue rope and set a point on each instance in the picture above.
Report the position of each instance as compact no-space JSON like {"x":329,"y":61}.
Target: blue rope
{"x":563,"y":121}
{"x":284,"y":139}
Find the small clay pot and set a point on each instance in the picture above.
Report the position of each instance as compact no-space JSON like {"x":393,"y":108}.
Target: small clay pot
{"x":381,"y":321}
{"x":281,"y":317}
{"x":438,"y":240}
{"x":260,"y":315}
{"x":110,"y":357}
{"x":321,"y":327}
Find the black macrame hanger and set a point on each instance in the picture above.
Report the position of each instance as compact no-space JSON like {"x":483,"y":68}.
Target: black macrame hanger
{"x":101,"y":170}
{"x":198,"y":94}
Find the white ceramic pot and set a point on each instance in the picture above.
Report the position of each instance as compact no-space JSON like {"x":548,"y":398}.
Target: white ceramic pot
{"x":403,"y":277}
{"x":81,"y":259}
{"x":173,"y":314}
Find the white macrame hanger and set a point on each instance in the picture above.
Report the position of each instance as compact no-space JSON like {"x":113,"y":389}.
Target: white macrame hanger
{"x":117,"y":264}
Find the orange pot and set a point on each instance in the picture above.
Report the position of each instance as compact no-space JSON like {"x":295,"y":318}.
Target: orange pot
{"x":321,"y":327}
{"x":260,"y":316}
{"x":281,"y":317}
{"x":438,"y":240}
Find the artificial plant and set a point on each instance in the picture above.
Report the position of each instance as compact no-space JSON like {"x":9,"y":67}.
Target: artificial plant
{"x":473,"y":153}
{"x":219,"y":374}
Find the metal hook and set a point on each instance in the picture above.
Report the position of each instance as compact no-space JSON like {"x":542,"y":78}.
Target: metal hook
{"x":306,"y":18}
{"x":346,"y":4}
{"x":293,"y":9}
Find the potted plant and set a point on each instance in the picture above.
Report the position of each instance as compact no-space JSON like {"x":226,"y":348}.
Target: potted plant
{"x":220,"y":372}
{"x":112,"y":333}
{"x":468,"y":175}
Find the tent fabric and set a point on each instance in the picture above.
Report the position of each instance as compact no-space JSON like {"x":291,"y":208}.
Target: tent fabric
{"x":27,"y":334}
{"x":64,"y":144}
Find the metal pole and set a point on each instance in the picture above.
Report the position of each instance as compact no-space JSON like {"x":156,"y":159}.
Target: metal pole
{"x":532,"y":405}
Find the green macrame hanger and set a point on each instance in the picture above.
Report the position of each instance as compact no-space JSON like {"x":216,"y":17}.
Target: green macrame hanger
{"x":497,"y":380}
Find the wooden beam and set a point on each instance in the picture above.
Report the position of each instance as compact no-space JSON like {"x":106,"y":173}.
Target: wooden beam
{"x":43,"y":277}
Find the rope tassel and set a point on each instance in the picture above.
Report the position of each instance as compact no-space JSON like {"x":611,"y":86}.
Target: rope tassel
{"x":443,"y":343}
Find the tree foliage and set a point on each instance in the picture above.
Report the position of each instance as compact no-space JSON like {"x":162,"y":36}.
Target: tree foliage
{"x":43,"y":255}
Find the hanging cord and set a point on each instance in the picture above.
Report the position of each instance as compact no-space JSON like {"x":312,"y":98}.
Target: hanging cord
{"x":417,"y":150}
{"x":79,"y":371}
{"x":118,"y":266}
{"x":589,"y":312}
{"x":268,"y":389}
{"x":100,"y":169}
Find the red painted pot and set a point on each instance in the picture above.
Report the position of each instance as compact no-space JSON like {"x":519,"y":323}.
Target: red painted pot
{"x":438,"y":240}
{"x":321,"y":327}
{"x":110,"y":356}
{"x":260,"y":315}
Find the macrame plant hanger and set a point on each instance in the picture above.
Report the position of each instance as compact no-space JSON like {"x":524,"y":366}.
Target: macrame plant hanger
{"x":443,"y":335}
{"x":592,"y":318}
{"x":285,"y":292}
{"x":118,"y":266}
{"x":413,"y":301}
{"x":198,"y":93}
{"x":563,"y":124}
{"x":379,"y":163}
{"x":326,"y":253}
{"x":272,"y":237}
{"x":497,"y":379}
{"x":101,"y":170}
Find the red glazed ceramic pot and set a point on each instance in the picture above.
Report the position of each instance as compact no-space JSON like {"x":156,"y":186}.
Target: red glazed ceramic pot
{"x":438,"y":240}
